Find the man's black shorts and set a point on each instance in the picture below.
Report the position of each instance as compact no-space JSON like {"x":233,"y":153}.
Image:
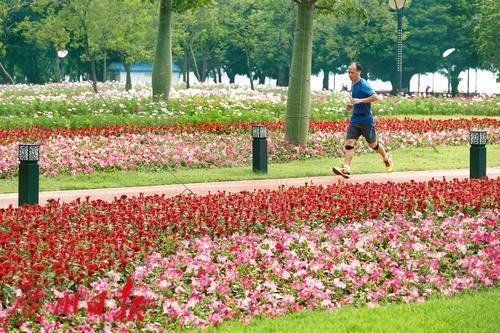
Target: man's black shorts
{"x":354,"y":131}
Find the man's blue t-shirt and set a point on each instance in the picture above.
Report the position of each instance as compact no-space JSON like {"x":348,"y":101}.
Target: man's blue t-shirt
{"x":361,"y":113}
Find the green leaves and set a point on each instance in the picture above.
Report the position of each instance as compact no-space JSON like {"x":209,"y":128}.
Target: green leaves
{"x":180,"y":6}
{"x":340,"y":8}
{"x":488,"y":34}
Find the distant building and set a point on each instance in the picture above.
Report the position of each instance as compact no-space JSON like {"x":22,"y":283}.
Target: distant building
{"x":140,"y":73}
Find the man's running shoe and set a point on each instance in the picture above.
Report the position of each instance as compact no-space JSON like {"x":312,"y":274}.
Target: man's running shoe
{"x":342,"y":171}
{"x":388,"y":163}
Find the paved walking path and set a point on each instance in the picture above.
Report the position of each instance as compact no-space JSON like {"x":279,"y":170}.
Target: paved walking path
{"x":249,"y":185}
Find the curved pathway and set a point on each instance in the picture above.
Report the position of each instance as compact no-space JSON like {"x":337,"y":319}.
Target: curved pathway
{"x":249,"y":185}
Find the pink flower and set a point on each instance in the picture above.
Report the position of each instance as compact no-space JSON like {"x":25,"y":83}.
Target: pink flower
{"x":339,"y":283}
{"x":305,"y":294}
{"x":246,"y":283}
{"x":215,"y":318}
{"x":223,"y":289}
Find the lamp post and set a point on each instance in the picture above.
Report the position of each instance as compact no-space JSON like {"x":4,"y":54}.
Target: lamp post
{"x":28,"y":174}
{"x":445,"y":55}
{"x":398,"y":6}
{"x":62,"y":54}
{"x":259,"y":148}
{"x":477,"y":141}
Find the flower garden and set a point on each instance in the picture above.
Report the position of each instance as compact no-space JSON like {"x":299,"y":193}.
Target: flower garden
{"x":112,"y":148}
{"x":158,"y":263}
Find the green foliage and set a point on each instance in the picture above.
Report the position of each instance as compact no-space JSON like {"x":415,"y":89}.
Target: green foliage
{"x":200,"y":36}
{"x":247,"y":37}
{"x":329,"y":49}
{"x":488,"y":34}
{"x":59,"y":106}
{"x":181,"y":6}
{"x":9,"y":12}
{"x":462,"y":19}
{"x":340,"y":8}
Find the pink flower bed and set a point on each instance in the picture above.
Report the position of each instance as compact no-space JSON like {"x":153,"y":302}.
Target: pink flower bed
{"x":208,"y":146}
{"x":375,"y":261}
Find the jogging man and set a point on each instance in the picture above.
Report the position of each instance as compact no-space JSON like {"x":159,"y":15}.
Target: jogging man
{"x":361,"y":121}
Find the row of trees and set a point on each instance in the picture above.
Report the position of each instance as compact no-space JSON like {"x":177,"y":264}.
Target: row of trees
{"x":286,"y":40}
{"x":248,"y":37}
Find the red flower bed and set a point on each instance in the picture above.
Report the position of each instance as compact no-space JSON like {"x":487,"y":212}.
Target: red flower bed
{"x":64,"y":243}
{"x":36,"y":134}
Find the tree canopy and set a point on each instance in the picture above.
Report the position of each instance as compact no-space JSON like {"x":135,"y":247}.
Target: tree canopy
{"x":246,"y":37}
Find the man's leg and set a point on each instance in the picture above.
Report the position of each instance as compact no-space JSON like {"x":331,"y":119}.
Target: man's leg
{"x":371,"y":137}
{"x":385,"y":157}
{"x":379,"y":149}
{"x":353,"y":133}
{"x":345,"y":169}
{"x":349,"y":152}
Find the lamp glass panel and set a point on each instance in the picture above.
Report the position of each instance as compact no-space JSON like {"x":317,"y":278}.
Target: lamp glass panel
{"x":259,"y":131}
{"x":29,"y":152}
{"x":478,"y":137}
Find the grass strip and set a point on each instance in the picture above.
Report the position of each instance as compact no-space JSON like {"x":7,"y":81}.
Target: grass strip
{"x":409,"y":159}
{"x":470,"y":312}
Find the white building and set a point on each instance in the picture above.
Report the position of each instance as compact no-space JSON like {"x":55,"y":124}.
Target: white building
{"x":140,"y":73}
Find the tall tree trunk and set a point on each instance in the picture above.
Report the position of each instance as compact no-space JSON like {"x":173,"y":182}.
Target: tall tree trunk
{"x":185,"y":74}
{"x":454,"y":81}
{"x":188,"y":79}
{"x":279,"y":77}
{"x":326,"y":78}
{"x":283,"y":77}
{"x":262,"y":78}
{"x":394,"y":83}
{"x":249,"y":70}
{"x":231,"y":76}
{"x":219,"y":73}
{"x":214,"y":74}
{"x":162,"y":67}
{"x":299,"y":91}
{"x":204,"y":68}
{"x":286,"y":77}
{"x":58,"y":69}
{"x":196,"y":71}
{"x":104,"y":69}
{"x":93,"y":73}
{"x":128,"y":77}
{"x":7,"y":75}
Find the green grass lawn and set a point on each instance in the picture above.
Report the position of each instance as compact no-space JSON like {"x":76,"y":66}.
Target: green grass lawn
{"x":410,"y":159}
{"x":472,"y":312}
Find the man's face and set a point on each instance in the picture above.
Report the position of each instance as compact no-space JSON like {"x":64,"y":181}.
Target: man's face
{"x":354,"y":75}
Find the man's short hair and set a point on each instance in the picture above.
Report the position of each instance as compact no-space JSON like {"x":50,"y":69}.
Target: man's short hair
{"x":359,"y":68}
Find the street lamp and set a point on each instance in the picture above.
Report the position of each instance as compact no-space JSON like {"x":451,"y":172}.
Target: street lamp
{"x":477,"y":140}
{"x":259,"y":148}
{"x":28,"y":174}
{"x":62,"y":54}
{"x":445,"y":55}
{"x":398,"y":6}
